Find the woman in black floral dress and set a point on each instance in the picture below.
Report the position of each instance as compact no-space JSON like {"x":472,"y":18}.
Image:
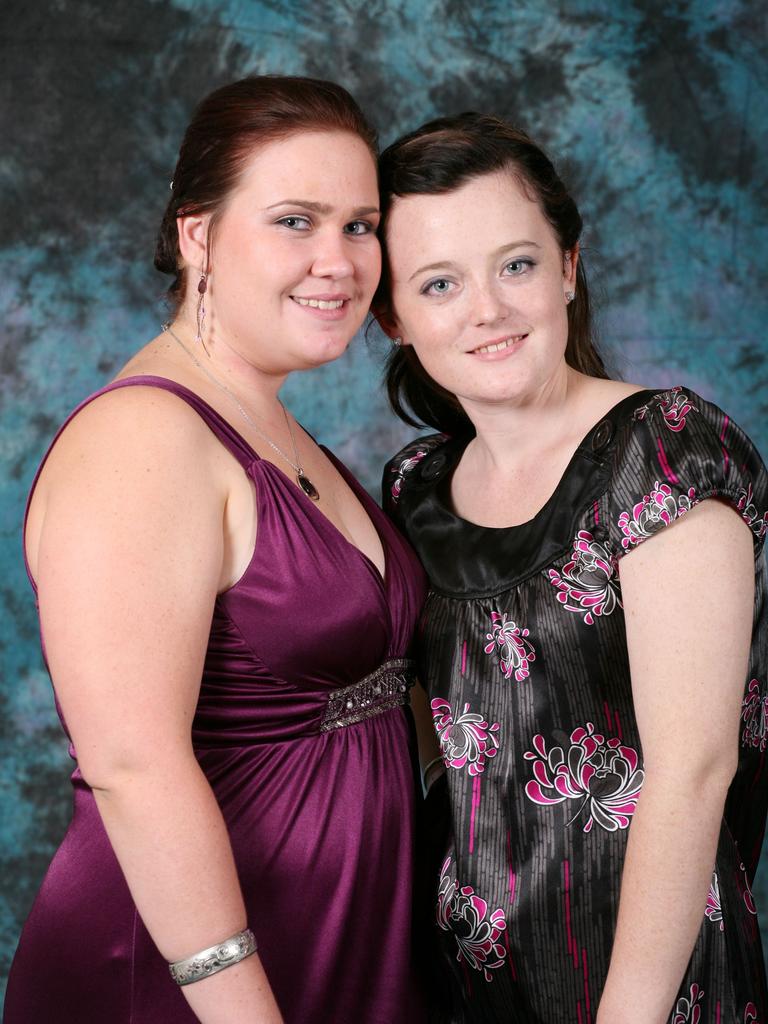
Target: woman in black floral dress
{"x":601,"y":704}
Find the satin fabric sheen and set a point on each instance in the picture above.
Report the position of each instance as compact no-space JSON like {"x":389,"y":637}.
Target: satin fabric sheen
{"x":523,"y":652}
{"x":320,"y":823}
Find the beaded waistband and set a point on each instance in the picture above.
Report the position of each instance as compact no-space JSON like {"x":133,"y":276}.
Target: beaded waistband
{"x":383,"y":689}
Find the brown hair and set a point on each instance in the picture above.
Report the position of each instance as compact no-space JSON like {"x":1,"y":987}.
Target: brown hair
{"x":440,"y":157}
{"x":224,"y":130}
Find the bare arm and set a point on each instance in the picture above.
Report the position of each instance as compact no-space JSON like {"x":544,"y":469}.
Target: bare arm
{"x":127,"y":564}
{"x":688,"y":598}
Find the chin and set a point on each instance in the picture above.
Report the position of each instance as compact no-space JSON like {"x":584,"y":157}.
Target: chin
{"x":326,"y":352}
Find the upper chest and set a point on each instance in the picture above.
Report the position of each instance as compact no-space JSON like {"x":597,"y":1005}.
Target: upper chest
{"x":496,"y":499}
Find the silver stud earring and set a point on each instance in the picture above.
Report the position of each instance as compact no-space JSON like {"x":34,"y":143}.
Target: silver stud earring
{"x":397,"y":342}
{"x":570,"y":296}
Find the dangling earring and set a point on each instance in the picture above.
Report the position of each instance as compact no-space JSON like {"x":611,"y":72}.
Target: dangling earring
{"x":202,"y":285}
{"x":569,"y":297}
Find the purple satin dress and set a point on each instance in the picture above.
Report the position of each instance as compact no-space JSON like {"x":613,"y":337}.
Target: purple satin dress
{"x":320,"y":816}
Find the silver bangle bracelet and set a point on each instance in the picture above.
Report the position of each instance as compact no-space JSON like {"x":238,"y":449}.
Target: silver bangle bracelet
{"x":215,"y":958}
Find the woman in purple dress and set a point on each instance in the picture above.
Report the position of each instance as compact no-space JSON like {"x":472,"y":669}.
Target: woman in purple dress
{"x":595,"y":643}
{"x":226,"y":616}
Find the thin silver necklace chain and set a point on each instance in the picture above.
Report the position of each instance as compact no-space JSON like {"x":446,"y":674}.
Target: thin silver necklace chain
{"x":301,"y":477}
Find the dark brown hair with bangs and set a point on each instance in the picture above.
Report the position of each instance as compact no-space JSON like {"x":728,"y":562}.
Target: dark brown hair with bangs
{"x":440,"y":157}
{"x":226,"y":128}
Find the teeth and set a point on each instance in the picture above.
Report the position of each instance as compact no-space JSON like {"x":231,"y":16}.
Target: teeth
{"x":500,"y":345}
{"x":319,"y":303}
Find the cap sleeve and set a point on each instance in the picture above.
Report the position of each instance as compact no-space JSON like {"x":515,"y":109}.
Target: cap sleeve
{"x":674,"y":452}
{"x":399,"y":468}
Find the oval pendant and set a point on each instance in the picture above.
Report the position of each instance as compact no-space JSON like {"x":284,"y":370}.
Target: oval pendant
{"x":308,"y":487}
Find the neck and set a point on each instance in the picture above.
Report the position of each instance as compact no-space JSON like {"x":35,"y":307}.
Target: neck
{"x":507,"y":430}
{"x":227,"y":365}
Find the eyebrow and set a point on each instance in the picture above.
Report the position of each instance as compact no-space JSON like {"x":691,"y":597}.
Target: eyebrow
{"x":322,"y":208}
{"x":497,"y":252}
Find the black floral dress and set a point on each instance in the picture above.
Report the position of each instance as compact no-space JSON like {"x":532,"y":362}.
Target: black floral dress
{"x":523,"y":653}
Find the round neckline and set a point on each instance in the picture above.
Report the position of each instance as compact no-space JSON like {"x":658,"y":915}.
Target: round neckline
{"x":455,"y":449}
{"x":466,"y":561}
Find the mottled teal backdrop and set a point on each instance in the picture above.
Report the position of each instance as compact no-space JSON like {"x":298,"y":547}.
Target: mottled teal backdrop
{"x":658,"y":112}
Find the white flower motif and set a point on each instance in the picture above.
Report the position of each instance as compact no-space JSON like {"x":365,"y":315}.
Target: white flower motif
{"x":515,"y":649}
{"x":461,"y":911}
{"x":465,"y":738}
{"x":588,"y":584}
{"x":654,"y":510}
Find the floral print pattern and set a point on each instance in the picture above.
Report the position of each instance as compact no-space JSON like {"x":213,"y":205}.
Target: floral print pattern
{"x":688,"y":1010}
{"x":588,"y":584}
{"x":749,"y":899}
{"x":516,"y":652}
{"x":461,"y":911}
{"x":405,"y":467}
{"x":654,"y":510}
{"x":754,"y":714}
{"x":602,"y":774}
{"x":674,"y":405}
{"x":746,"y":506}
{"x":465,"y":738}
{"x":714,"y":910}
{"x":540,"y":832}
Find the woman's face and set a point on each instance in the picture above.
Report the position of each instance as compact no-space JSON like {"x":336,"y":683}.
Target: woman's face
{"x":295,"y":258}
{"x":478,"y":289}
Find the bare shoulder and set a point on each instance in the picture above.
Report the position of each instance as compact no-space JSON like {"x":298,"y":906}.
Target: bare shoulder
{"x":133,"y":454}
{"x":136,"y":428}
{"x":604,"y":394}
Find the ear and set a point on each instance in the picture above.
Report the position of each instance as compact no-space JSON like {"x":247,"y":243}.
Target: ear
{"x":388,"y":322}
{"x":193,"y":240}
{"x":570,"y":263}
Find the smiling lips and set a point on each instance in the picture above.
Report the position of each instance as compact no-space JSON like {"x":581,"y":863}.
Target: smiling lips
{"x":323,"y":307}
{"x":319,"y":303}
{"x":498,"y":346}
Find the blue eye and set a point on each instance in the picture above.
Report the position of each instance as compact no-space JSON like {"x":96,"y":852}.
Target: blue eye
{"x":518,"y":267}
{"x":358,"y":227}
{"x":296,"y":223}
{"x":440,"y":286}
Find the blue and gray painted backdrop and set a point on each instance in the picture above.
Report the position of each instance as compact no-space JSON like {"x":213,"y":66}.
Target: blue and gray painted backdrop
{"x":657,"y":110}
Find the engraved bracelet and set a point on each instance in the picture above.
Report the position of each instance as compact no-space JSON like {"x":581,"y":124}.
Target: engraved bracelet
{"x":215,"y":958}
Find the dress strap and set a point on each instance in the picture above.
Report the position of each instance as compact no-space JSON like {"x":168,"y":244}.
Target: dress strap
{"x":234,"y":442}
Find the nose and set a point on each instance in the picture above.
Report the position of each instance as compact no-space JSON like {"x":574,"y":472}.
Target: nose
{"x":489,"y":304}
{"x":332,"y":257}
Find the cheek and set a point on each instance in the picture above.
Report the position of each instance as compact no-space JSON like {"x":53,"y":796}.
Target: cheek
{"x":369,"y":264}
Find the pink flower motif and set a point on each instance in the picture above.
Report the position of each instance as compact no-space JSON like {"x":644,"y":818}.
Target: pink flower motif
{"x":674,"y":405}
{"x":750,"y":1014}
{"x":465,"y":738}
{"x":757,"y":523}
{"x":688,"y":1011}
{"x":714,"y":910}
{"x":602,"y":774}
{"x":405,"y":467}
{"x":657,"y":509}
{"x":754,"y":714}
{"x":515,"y":649}
{"x":588,"y":584}
{"x":461,"y":911}
{"x":749,"y":899}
